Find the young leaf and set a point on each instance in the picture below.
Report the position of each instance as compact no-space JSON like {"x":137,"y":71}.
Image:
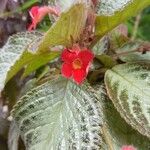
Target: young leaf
{"x":67,"y":28}
{"x":128,"y":86}
{"x":116,"y":131}
{"x":115,"y":12}
{"x":12,"y":52}
{"x":59,"y":115}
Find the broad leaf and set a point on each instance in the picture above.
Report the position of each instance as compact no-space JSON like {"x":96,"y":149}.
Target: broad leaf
{"x":116,"y":131}
{"x":128,"y":86}
{"x":12,"y":52}
{"x":59,"y":115}
{"x":132,"y":56}
{"x":112,"y":13}
{"x":67,"y":28}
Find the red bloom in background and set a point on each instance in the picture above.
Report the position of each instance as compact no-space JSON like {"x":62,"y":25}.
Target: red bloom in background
{"x":128,"y":147}
{"x":76,"y":63}
{"x":38,"y":13}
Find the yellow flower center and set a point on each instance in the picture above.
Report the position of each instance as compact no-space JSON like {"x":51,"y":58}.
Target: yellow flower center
{"x":77,"y":64}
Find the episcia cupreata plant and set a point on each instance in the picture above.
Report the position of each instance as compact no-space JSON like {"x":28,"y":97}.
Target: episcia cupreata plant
{"x":82,"y":88}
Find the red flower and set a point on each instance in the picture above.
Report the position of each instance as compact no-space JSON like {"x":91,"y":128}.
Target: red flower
{"x":128,"y":147}
{"x":38,"y":13}
{"x":76,"y":63}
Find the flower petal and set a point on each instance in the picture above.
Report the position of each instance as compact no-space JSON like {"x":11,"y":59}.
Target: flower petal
{"x":68,"y":56}
{"x":79,"y":75}
{"x":66,"y":70}
{"x":86,"y":56}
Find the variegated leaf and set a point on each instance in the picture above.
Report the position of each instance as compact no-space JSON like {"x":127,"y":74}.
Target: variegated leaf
{"x":59,"y":115}
{"x":12,"y":52}
{"x":128,"y":86}
{"x":116,"y":132}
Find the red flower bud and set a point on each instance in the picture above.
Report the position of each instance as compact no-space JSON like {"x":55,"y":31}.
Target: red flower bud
{"x":128,"y":147}
{"x":38,"y":13}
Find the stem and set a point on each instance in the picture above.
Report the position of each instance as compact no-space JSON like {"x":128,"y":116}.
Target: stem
{"x":123,"y":53}
{"x":136,"y":25}
{"x":107,"y":137}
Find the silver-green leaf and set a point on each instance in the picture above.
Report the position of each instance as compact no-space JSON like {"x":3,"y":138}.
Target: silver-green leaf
{"x":12,"y":52}
{"x":59,"y":115}
{"x":128,"y":86}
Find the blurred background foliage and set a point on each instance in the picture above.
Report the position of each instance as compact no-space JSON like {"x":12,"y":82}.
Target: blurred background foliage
{"x":142,"y":21}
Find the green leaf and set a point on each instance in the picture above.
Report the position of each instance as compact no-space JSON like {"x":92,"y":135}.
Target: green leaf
{"x":113,"y":13}
{"x":133,"y":56}
{"x":32,"y":62}
{"x":12,"y":52}
{"x":116,"y":132}
{"x":67,"y":28}
{"x":59,"y":115}
{"x":128,"y":86}
{"x":36,"y":61}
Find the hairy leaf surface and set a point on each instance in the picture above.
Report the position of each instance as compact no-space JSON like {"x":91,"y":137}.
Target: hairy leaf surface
{"x":116,"y":132}
{"x":128,"y":86}
{"x":59,"y":115}
{"x":12,"y":52}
